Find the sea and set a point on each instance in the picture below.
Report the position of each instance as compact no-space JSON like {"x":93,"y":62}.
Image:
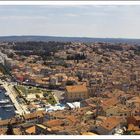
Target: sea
{"x":6,"y":113}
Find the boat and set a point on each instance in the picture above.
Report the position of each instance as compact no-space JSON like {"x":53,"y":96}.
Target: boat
{"x":9,"y":109}
{"x":7,"y":106}
{"x":4,"y":101}
{"x":17,"y":112}
{"x":6,"y":94}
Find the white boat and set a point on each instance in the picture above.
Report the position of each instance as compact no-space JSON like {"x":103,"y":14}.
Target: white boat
{"x":9,"y":109}
{"x":6,"y":94}
{"x":7,"y":106}
{"x":17,"y":112}
{"x":4,"y":101}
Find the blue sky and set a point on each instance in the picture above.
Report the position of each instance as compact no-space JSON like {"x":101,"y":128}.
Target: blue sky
{"x":83,"y":21}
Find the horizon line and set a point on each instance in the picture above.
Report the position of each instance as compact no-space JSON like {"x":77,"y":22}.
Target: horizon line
{"x":131,"y":38}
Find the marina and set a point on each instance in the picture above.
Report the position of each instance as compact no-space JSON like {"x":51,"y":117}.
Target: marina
{"x":6,"y":94}
{"x":7,"y":109}
{"x":7,"y":106}
{"x":4,"y":101}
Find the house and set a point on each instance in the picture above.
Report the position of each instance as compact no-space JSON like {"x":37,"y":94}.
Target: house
{"x":13,"y":121}
{"x":37,"y":117}
{"x":133,"y":123}
{"x":108,"y":126}
{"x":52,"y":123}
{"x":73,"y":105}
{"x":76,"y":93}
{"x":52,"y":126}
{"x":88,"y":102}
{"x":135,"y":120}
{"x":24,"y":126}
{"x":109,"y":102}
{"x":133,"y":129}
{"x":133,"y":102}
{"x":41,"y":129}
{"x":3,"y":131}
{"x":31,"y":130}
{"x":118,"y":110}
{"x":16,"y":131}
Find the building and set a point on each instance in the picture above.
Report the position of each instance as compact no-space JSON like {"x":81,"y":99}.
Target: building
{"x":35,"y":117}
{"x":133,"y":123}
{"x":31,"y":130}
{"x":73,"y":105}
{"x":135,"y":120}
{"x":108,"y":126}
{"x":118,"y":110}
{"x":76,"y":93}
{"x":41,"y":129}
{"x":53,"y":80}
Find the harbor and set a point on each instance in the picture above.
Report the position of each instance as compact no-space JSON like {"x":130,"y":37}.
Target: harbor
{"x":7,"y":109}
{"x":19,"y":109}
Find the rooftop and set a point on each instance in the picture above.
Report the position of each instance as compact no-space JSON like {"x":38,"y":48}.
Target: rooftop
{"x":31,"y":130}
{"x":110,"y":123}
{"x":88,"y":133}
{"x":76,"y":88}
{"x":52,"y":123}
{"x":34,"y":115}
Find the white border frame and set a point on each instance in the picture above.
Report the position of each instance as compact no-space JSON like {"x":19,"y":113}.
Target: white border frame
{"x":61,"y":137}
{"x":69,"y":2}
{"x":10,"y":3}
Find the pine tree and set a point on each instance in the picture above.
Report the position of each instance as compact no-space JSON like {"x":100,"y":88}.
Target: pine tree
{"x":9,"y":130}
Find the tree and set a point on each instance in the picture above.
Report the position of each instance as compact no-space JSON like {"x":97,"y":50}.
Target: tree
{"x":9,"y":130}
{"x":80,"y":78}
{"x":69,"y":83}
{"x":37,"y":96}
{"x":45,"y":94}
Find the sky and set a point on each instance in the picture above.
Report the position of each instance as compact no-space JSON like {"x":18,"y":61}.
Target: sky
{"x":102,"y":21}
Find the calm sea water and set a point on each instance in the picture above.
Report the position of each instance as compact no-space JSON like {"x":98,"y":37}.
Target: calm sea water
{"x":6,"y":113}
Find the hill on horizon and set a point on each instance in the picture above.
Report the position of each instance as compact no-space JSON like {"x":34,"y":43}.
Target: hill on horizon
{"x":67,"y":39}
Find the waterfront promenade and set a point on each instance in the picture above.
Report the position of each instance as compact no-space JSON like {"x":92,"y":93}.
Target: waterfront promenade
{"x":12,"y":96}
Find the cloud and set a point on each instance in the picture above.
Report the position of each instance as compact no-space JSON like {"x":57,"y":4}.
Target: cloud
{"x":71,"y":15}
{"x":74,"y":20}
{"x":23,"y":17}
